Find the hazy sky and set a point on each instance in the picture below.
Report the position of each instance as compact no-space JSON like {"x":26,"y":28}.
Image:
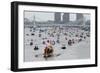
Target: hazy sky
{"x":45,"y":16}
{"x":39,"y":16}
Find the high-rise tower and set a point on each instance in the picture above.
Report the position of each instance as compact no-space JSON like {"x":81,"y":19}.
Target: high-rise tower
{"x":57,"y":17}
{"x":65,"y":18}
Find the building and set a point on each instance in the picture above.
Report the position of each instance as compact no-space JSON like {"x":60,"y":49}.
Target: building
{"x":57,"y":17}
{"x":65,"y":18}
{"x":79,"y":16}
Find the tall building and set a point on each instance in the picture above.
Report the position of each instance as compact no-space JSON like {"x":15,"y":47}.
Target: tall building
{"x":57,"y":17}
{"x":65,"y":18}
{"x":72,"y":17}
{"x":79,"y":16}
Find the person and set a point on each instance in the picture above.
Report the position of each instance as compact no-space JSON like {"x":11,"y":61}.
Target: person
{"x":63,"y":46}
{"x":48,"y":51}
{"x":70,"y":42}
{"x":48,"y":43}
{"x":36,"y":48}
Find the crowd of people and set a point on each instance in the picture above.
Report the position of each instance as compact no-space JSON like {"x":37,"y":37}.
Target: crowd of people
{"x":53,"y":36}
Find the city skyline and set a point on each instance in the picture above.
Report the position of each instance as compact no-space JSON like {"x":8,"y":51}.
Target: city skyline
{"x":49,"y":16}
